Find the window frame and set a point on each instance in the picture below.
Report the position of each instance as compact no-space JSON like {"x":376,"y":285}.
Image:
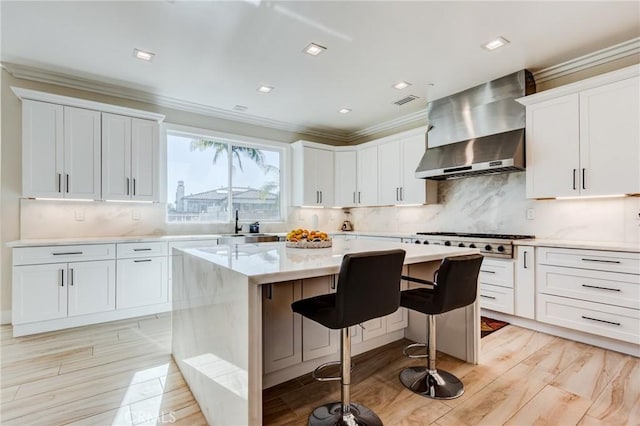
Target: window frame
{"x":232,"y":140}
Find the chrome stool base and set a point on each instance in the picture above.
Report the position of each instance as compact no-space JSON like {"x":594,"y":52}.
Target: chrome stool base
{"x":436,"y":384}
{"x":331,"y":415}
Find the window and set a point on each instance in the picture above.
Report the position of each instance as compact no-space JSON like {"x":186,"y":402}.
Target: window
{"x":209,"y":178}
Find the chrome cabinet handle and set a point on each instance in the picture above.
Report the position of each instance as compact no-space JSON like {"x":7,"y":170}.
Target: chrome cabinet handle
{"x":128,"y":186}
{"x":574,"y":179}
{"x":401,"y":193}
{"x":488,"y":297}
{"x":59,"y":182}
{"x":142,"y":249}
{"x":61,"y":277}
{"x":333,"y":282}
{"x":354,"y":197}
{"x":67,"y":253}
{"x":600,"y":288}
{"x":134,"y":186}
{"x":525,"y":260}
{"x":142,"y":260}
{"x":270,"y":291}
{"x":600,"y":260}
{"x":599,"y":320}
{"x":320,"y":197}
{"x":71,"y":276}
{"x":488,"y":272}
{"x":584,"y":185}
{"x":67,"y":182}
{"x":359,"y":197}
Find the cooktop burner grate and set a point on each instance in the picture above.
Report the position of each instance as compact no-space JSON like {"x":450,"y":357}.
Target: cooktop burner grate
{"x":478,"y":235}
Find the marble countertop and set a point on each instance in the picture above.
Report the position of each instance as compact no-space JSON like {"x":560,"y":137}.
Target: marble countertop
{"x":588,"y":245}
{"x":265,"y":263}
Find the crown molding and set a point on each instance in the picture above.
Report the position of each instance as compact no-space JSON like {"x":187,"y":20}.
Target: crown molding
{"x":609,"y":54}
{"x":621,"y":50}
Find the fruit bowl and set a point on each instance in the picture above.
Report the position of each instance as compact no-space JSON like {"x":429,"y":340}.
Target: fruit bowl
{"x":301,"y":238}
{"x":309,"y":244}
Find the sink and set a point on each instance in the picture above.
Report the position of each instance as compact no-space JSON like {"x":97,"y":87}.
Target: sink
{"x":247,"y":238}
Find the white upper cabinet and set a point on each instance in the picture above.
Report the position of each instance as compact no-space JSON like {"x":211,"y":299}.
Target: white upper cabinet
{"x":583,"y":139}
{"x":313,"y":175}
{"x":60,"y":152}
{"x":356,"y":180}
{"x":398,"y":161}
{"x":367,"y":179}
{"x":130,"y":158}
{"x":78,"y":149}
{"x":346,"y":178}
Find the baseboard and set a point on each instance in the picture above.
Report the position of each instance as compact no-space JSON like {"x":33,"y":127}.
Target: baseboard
{"x":5,"y":317}
{"x":579,"y":336}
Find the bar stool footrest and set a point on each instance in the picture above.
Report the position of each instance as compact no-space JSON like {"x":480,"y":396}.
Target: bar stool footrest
{"x":315,"y":372}
{"x":331,"y":415}
{"x":406,"y":349}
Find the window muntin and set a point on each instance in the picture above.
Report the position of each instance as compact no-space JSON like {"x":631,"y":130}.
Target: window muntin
{"x":209,"y":178}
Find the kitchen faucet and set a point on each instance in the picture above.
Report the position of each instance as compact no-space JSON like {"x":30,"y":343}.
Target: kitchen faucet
{"x":237,"y":228}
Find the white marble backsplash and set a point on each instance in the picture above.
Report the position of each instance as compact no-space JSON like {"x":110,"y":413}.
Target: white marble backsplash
{"x":495,"y":204}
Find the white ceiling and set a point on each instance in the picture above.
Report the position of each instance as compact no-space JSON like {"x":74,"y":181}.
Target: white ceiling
{"x":216,"y":54}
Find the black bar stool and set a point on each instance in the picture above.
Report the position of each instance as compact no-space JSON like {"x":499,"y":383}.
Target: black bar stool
{"x":455,"y":286}
{"x":368,"y":287}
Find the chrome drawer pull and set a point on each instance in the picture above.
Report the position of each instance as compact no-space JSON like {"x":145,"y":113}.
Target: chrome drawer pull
{"x":487,"y":272}
{"x":142,"y":260}
{"x":142,"y":249}
{"x":68,"y":253}
{"x":487,"y":297}
{"x":600,"y":288}
{"x":599,"y":320}
{"x":600,"y":260}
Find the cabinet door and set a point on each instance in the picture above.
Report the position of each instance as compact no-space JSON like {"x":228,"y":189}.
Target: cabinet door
{"x":281,"y":328}
{"x":400,"y":318}
{"x":141,"y":282}
{"x":317,"y":340}
{"x":42,"y":149}
{"x":553,"y":148}
{"x":368,"y":176}
{"x":346,"y":177}
{"x":610,"y":139}
{"x":389,"y":173}
{"x":39,"y":293}
{"x":413,"y":189}
{"x":310,"y":161}
{"x":116,"y":157}
{"x":324,"y":176}
{"x":524,"y":283}
{"x":81,"y":153}
{"x":145,"y":160}
{"x":91,"y":287}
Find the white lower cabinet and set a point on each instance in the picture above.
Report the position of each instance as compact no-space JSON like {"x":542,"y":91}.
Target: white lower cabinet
{"x":141,"y":282}
{"x":318,"y":340}
{"x":60,"y":290}
{"x":593,"y":291}
{"x":281,"y":327}
{"x":496,"y":285}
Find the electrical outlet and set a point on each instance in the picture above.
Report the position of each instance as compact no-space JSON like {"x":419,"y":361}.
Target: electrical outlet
{"x":135,"y":214}
{"x":531,"y":214}
{"x":79,"y":214}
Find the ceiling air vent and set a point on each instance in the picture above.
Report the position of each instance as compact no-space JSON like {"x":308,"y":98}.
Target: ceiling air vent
{"x":406,"y":100}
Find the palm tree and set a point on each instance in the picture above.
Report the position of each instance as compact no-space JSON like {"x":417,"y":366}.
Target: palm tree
{"x":237,"y":152}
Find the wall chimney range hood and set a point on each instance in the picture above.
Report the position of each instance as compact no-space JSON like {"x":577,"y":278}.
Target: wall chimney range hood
{"x":477,"y":131}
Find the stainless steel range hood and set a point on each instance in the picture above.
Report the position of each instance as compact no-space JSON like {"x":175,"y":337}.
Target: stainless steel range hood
{"x":477,"y":131}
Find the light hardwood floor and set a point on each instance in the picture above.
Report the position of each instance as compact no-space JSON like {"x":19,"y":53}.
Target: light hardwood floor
{"x":122,"y":373}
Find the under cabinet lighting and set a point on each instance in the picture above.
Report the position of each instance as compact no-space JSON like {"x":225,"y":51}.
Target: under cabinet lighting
{"x":401,"y":85}
{"x":65,"y":199}
{"x":344,"y":111}
{"x":590,"y":197}
{"x":314,"y":49}
{"x":264,"y":89}
{"x":495,"y":43}
{"x":143,"y":55}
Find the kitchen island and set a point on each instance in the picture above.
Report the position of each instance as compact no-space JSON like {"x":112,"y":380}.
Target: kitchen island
{"x":217,"y":338}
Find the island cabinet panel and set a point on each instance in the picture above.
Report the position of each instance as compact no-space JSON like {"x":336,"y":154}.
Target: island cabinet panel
{"x":399,"y":319}
{"x":318,"y":340}
{"x":281,"y":328}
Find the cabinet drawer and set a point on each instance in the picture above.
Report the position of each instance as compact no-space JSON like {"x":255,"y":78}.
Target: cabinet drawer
{"x":596,"y":318}
{"x":53,"y":254}
{"x":595,"y":286}
{"x":496,"y":272}
{"x":610,"y":261}
{"x":496,"y":298}
{"x":132,"y":250}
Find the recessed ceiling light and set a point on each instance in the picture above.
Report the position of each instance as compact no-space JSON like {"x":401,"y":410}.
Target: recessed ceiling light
{"x":495,"y":43}
{"x":240,"y":108}
{"x":314,"y":49}
{"x":401,"y":85}
{"x":344,"y":110}
{"x":264,"y":89}
{"x":145,"y":56}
